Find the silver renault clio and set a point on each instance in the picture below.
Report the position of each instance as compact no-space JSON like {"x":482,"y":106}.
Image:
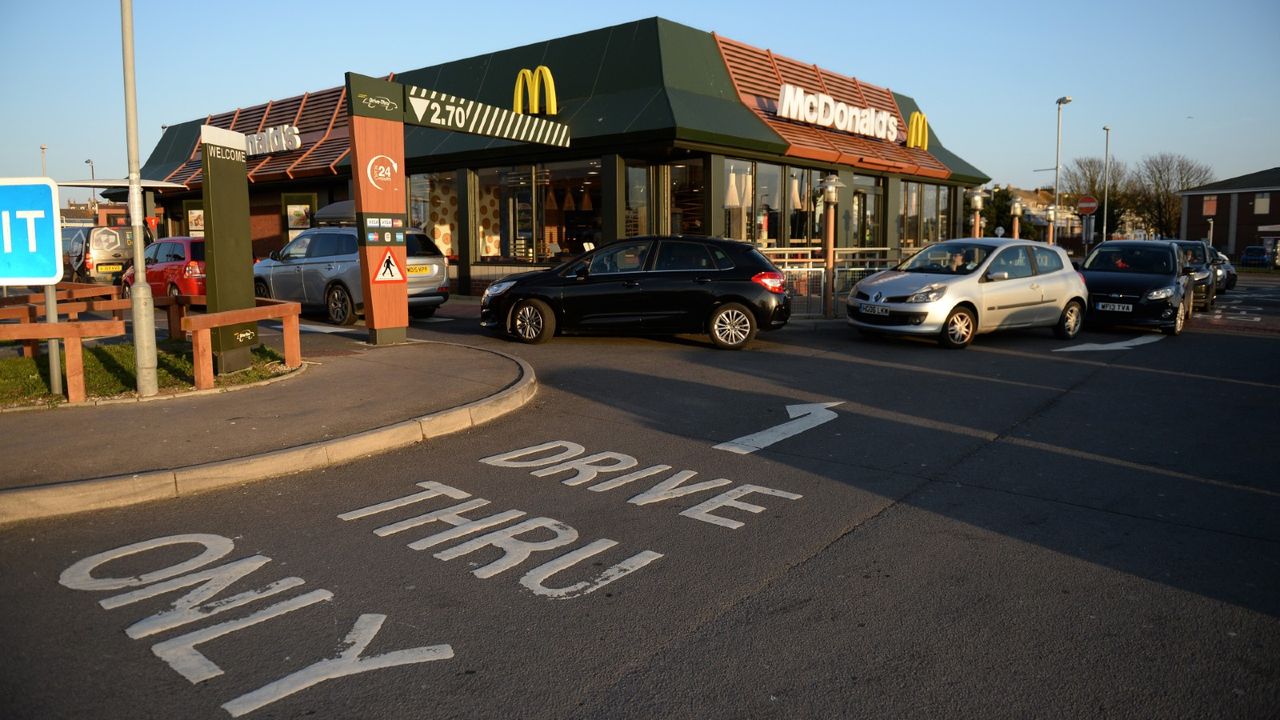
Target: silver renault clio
{"x":957,"y":289}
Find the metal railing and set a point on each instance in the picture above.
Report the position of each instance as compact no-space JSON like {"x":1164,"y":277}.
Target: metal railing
{"x":805,"y":273}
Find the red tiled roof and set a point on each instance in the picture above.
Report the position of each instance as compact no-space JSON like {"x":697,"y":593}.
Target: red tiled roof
{"x":758,"y":76}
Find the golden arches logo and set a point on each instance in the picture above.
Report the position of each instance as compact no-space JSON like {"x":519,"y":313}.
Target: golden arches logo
{"x":918,"y":131}
{"x":535,"y":82}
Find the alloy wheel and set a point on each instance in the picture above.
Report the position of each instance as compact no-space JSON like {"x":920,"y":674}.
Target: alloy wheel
{"x":732,"y":327}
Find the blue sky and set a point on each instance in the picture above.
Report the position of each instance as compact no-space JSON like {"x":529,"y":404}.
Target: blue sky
{"x":1197,"y":79}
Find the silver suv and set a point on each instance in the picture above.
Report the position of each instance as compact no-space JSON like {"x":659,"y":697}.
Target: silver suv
{"x":321,"y":268}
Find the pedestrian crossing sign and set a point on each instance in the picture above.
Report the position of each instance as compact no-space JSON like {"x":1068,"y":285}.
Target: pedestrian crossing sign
{"x":388,"y":269}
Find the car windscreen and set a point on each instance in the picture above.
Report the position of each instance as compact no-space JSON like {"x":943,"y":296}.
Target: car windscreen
{"x":1194,"y":252}
{"x":1130,"y":259}
{"x":419,"y":245}
{"x":948,"y":259}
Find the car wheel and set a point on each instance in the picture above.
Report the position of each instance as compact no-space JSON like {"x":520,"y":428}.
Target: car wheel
{"x":260,"y":289}
{"x":337,"y":302}
{"x":1179,"y":322}
{"x":732,"y":326}
{"x":533,"y":322}
{"x":958,"y":330}
{"x":1069,"y":324}
{"x":422,"y":312}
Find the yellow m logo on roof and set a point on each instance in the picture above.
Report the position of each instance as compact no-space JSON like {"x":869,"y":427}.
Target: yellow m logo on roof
{"x":918,"y":131}
{"x":535,"y":82}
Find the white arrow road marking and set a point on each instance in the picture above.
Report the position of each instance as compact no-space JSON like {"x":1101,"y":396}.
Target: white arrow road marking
{"x":804,"y":417}
{"x":1122,"y":345}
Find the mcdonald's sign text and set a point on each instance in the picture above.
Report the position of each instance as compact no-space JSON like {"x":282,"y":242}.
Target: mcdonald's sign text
{"x":535,"y":82}
{"x":822,"y":109}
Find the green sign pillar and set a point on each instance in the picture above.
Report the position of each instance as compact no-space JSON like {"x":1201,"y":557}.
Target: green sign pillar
{"x":227,"y":246}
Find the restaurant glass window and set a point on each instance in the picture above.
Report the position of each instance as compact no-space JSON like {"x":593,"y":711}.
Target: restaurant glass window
{"x":909,"y":214}
{"x":433,"y":207}
{"x":688,"y":198}
{"x":570,"y":203}
{"x":738,"y":198}
{"x":1210,"y":204}
{"x":929,"y":213}
{"x":1262,"y":203}
{"x":768,"y":204}
{"x":868,"y":193}
{"x":945,"y":194}
{"x":635,"y":220}
{"x":804,"y":205}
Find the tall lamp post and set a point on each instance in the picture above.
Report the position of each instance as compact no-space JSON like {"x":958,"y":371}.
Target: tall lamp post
{"x":144,"y":317}
{"x":1053,"y":219}
{"x":92,"y":204}
{"x":1106,"y":179}
{"x":830,"y":187}
{"x":43,"y":171}
{"x":1057,"y":155}
{"x":1016,"y":211}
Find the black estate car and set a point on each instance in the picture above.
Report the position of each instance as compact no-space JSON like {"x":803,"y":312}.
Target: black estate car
{"x":645,"y":285}
{"x":1138,"y":282}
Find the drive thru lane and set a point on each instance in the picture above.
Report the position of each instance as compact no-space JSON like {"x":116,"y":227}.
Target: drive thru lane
{"x":970,"y":535}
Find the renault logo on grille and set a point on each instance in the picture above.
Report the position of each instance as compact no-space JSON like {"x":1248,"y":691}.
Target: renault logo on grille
{"x":878,"y":297}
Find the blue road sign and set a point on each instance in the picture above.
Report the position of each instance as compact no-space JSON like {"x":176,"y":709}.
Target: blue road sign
{"x":30,"y":232}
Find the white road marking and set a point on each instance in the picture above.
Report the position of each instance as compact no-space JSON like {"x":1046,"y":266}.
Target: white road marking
{"x":1121,"y":345}
{"x":804,"y":417}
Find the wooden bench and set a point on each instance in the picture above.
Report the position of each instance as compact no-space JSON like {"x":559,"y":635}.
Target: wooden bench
{"x":200,"y":327}
{"x":73,"y":333}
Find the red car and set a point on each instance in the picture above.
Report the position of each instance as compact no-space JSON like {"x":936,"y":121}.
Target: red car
{"x":175,"y":266}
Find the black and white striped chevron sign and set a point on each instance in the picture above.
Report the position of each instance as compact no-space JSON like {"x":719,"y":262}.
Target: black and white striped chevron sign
{"x":447,"y":112}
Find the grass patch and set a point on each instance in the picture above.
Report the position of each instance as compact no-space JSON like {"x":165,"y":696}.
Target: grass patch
{"x":109,"y":373}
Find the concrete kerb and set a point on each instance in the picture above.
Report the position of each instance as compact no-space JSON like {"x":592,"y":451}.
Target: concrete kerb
{"x":32,"y":503}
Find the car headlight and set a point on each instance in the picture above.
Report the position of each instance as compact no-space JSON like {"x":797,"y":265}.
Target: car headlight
{"x":1160,"y":293}
{"x":496,"y":289}
{"x":928,"y":294}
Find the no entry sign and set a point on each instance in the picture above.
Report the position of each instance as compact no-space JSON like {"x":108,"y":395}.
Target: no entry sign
{"x":1086,"y":205}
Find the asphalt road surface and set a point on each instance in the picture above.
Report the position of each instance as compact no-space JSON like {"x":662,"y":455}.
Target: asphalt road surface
{"x":1007,"y":531}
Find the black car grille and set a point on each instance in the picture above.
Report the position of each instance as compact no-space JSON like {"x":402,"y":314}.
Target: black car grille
{"x":891,"y":299}
{"x":1106,"y":297}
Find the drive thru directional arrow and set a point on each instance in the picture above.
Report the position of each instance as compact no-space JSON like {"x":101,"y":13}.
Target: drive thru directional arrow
{"x":1122,"y":345}
{"x":804,"y":417}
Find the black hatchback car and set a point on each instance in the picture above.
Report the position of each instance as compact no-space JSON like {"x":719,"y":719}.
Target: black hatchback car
{"x":645,"y":285}
{"x":1138,"y":282}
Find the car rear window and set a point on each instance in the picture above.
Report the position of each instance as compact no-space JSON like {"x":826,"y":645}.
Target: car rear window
{"x":197,"y":251}
{"x":1047,"y":261}
{"x":419,"y":245}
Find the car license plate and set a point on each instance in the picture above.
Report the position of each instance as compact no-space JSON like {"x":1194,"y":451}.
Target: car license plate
{"x":1115,"y":307}
{"x":420,"y":269}
{"x":110,"y":268}
{"x":867,"y":309}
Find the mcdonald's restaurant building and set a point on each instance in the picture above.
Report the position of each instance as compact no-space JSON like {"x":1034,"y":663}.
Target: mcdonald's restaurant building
{"x":672,"y":130}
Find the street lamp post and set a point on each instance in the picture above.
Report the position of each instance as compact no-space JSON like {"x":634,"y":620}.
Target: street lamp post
{"x":43,"y":171}
{"x":92,"y":204}
{"x":830,"y":187}
{"x":144,"y":316}
{"x":1057,"y":156}
{"x":1016,"y":211}
{"x":1053,"y":219}
{"x":1106,"y":179}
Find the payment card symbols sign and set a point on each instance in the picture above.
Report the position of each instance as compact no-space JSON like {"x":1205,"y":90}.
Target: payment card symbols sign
{"x":30,"y":232}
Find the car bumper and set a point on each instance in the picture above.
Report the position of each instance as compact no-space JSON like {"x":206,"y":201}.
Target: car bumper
{"x":899,"y":318}
{"x":429,"y":299}
{"x":1147,"y":313}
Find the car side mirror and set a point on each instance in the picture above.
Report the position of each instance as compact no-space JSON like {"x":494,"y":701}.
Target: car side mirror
{"x":1076,"y":264}
{"x":997,"y":276}
{"x":274,"y":255}
{"x":1188,"y":270}
{"x":582,"y":273}
{"x":149,"y":261}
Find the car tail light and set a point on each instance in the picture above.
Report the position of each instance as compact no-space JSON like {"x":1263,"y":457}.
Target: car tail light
{"x":444,"y":288}
{"x":1082,"y":282}
{"x":772,"y":281}
{"x":194,"y":269}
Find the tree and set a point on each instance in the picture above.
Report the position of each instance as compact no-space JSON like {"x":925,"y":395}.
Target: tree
{"x":1157,"y":181}
{"x":1089,"y":176}
{"x":998,"y":212}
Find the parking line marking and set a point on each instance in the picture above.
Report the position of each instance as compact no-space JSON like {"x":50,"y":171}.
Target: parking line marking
{"x":1117,"y":366}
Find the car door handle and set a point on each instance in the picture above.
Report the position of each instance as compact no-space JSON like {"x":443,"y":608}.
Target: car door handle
{"x":330,"y":266}
{"x":630,"y":283}
{"x":702,"y":280}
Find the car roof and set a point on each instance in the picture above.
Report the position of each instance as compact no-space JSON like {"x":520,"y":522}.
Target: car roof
{"x":995,"y":241}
